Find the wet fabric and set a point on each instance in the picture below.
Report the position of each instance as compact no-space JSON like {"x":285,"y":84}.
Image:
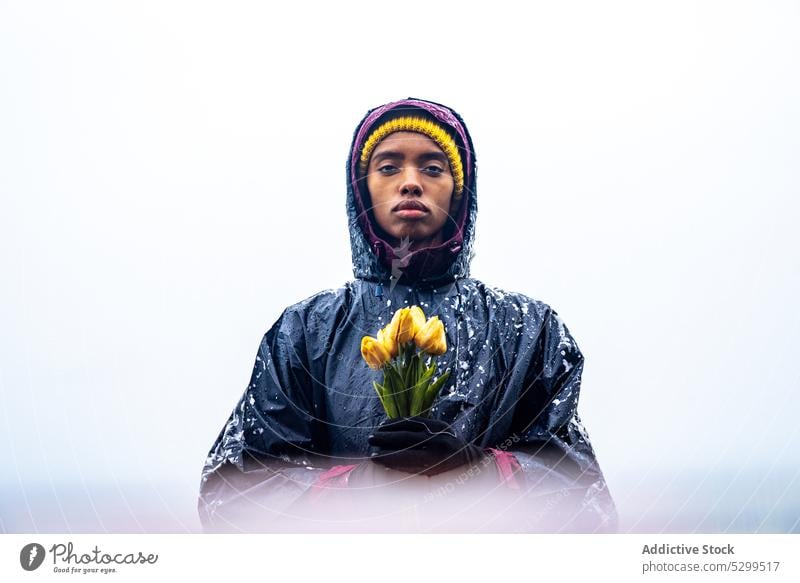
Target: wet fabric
{"x":300,"y":429}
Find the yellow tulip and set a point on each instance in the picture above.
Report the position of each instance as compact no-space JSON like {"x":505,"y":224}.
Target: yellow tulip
{"x":389,"y":343}
{"x":401,"y":328}
{"x":388,"y":336}
{"x":431,"y":337}
{"x":418,"y":317}
{"x":374,"y":352}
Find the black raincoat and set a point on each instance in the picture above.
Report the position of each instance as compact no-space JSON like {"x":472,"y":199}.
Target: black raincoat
{"x":513,"y":390}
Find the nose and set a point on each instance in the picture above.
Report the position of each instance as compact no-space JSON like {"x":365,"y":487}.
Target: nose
{"x":411,"y":182}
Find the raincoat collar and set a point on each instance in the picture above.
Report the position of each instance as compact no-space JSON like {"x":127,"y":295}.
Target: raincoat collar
{"x":374,"y":259}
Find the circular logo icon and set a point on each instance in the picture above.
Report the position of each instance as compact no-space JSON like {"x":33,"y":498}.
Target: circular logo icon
{"x":31,"y":556}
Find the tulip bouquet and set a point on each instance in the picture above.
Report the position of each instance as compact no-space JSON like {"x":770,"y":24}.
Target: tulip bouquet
{"x":408,"y":388}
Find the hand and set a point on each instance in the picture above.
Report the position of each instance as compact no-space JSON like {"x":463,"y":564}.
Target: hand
{"x":419,"y":445}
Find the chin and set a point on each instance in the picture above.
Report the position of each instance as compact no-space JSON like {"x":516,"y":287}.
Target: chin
{"x":413,"y":234}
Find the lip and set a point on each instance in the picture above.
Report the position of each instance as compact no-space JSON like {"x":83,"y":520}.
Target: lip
{"x":411,"y":213}
{"x":411,"y":205}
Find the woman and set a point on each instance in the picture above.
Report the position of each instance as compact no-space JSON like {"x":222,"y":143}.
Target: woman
{"x":310,"y":421}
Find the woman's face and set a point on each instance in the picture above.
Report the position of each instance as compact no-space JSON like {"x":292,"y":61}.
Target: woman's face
{"x":407,"y":168}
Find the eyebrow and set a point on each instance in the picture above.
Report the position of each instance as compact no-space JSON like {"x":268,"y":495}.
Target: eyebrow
{"x":426,"y":156}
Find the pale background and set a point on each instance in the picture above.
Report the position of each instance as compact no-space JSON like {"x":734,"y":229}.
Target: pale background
{"x":172,"y":177}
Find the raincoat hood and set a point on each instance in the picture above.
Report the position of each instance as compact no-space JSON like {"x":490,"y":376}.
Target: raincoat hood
{"x":375,"y":259}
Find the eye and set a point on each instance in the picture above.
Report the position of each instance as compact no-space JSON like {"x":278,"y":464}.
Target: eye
{"x":387,"y":169}
{"x":434,"y":170}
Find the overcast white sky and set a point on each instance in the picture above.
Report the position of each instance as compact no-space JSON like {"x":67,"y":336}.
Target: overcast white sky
{"x":173,"y":176}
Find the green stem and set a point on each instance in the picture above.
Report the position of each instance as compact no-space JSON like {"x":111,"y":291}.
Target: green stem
{"x":390,"y":395}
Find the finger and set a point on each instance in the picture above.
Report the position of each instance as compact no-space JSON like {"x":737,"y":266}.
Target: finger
{"x":407,"y":460}
{"x":434,"y":425}
{"x":427,"y":462}
{"x":426,"y":454}
{"x":444,"y":465}
{"x":401,"y":424}
{"x":404,"y":439}
{"x":397,"y":439}
{"x":415,"y":424}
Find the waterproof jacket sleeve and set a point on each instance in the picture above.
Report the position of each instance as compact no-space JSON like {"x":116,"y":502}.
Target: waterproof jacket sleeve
{"x":550,"y":446}
{"x":271,"y":449}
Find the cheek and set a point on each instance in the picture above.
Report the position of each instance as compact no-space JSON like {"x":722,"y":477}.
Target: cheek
{"x":445,"y":199}
{"x":376,"y":191}
{"x":372,"y":196}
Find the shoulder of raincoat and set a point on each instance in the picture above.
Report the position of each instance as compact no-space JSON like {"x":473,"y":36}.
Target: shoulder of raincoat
{"x":303,"y":421}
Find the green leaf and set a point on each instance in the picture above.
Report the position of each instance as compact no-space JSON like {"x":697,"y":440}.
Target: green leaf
{"x":411,"y":380}
{"x":379,"y":389}
{"x":421,"y":389}
{"x":433,"y":390}
{"x":389,"y":408}
{"x":398,"y":391}
{"x":408,"y":371}
{"x":429,"y":371}
{"x":389,"y":394}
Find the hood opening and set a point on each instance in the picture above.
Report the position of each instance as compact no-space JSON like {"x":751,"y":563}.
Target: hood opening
{"x":437,"y":263}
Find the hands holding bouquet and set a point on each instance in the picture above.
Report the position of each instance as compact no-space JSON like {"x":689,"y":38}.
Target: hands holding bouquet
{"x":409,"y":440}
